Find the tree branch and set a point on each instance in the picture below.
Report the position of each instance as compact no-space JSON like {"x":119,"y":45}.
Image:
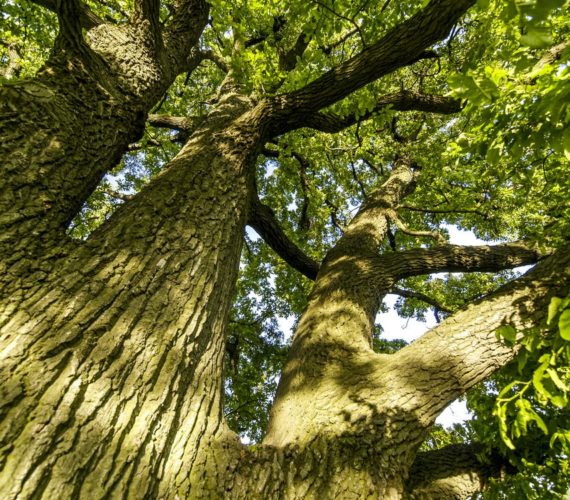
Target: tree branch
{"x":118,"y":195}
{"x":457,"y":258}
{"x":263,"y":220}
{"x":393,"y":216}
{"x":288,"y":59}
{"x":464,"y":349}
{"x":148,"y":10}
{"x":340,"y":16}
{"x":550,"y":56}
{"x":402,"y":45}
{"x":218,"y":60}
{"x":70,"y":25}
{"x":367,"y":230}
{"x":171,"y":122}
{"x":135,"y":146}
{"x":329,"y":48}
{"x":401,"y":101}
{"x":443,"y":211}
{"x":13,"y":68}
{"x":184,"y":29}
{"x":451,"y":472}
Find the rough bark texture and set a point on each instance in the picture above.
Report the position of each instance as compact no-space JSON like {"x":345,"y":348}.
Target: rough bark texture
{"x":111,"y":364}
{"x":114,"y":375}
{"x":63,"y":130}
{"x":453,"y":472}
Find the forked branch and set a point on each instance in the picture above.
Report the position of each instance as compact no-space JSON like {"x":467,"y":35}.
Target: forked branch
{"x":404,"y":44}
{"x":464,"y":349}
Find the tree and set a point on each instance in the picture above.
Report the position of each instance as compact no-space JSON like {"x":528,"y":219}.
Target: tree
{"x":114,"y":337}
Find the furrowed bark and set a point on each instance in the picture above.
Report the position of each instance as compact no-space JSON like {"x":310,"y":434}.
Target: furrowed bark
{"x":336,"y":328}
{"x":183,"y":31}
{"x":112,"y":369}
{"x":401,"y":46}
{"x":63,"y":130}
{"x":453,"y":472}
{"x":464,"y":348}
{"x":147,"y":11}
{"x":454,"y":258}
{"x":335,"y":388}
{"x":171,"y":122}
{"x":384,"y":405}
{"x":113,"y":365}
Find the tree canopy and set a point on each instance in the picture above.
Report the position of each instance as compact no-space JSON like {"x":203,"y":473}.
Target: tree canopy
{"x":483,"y":116}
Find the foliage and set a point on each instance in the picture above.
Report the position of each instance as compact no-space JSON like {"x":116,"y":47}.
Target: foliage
{"x":525,"y":409}
{"x":498,"y":169}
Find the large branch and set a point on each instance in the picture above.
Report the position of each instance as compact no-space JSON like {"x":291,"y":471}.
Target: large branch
{"x":452,"y":472}
{"x":182,"y":33}
{"x":401,"y":101}
{"x":148,"y":11}
{"x":464,"y":349}
{"x":171,"y":122}
{"x":263,"y":220}
{"x":69,"y":13}
{"x":402,"y":45}
{"x":456,"y":258}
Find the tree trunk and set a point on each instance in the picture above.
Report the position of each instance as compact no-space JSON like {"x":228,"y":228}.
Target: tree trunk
{"x":113,"y":365}
{"x":61,"y":131}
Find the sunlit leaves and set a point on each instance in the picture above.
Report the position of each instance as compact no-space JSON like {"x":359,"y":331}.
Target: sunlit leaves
{"x":530,"y":412}
{"x":27,"y":33}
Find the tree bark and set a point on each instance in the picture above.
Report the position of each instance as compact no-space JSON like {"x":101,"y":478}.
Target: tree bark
{"x":453,"y":472}
{"x":113,"y":367}
{"x":61,"y":131}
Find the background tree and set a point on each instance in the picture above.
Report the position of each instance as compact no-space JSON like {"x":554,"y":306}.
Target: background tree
{"x":349,"y":136}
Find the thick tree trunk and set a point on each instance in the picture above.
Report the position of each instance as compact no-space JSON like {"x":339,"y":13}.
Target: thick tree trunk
{"x":61,"y":131}
{"x":111,"y":368}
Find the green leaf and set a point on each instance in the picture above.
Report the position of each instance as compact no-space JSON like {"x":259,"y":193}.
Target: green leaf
{"x":538,"y":419}
{"x":556,"y":379}
{"x":553,"y":308}
{"x":564,"y":324}
{"x":537,"y":377}
{"x":508,"y":332}
{"x":537,"y":38}
{"x":560,"y":400}
{"x":522,"y":358}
